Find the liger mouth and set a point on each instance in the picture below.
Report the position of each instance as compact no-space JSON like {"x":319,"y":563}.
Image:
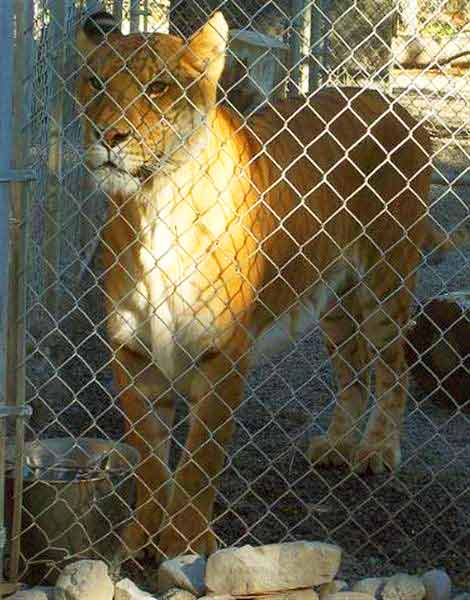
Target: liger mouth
{"x":111,"y":165}
{"x":142,"y":173}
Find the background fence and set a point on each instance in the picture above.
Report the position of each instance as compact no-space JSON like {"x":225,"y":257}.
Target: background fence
{"x":407,"y":521}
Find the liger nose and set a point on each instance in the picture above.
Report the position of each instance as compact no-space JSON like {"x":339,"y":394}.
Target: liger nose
{"x":114,"y":136}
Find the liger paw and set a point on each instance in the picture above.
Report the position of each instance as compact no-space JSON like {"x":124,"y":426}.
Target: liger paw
{"x":326,"y":451}
{"x":378,"y":457}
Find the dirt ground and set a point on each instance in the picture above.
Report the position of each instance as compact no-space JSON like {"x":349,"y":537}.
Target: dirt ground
{"x":416,"y":518}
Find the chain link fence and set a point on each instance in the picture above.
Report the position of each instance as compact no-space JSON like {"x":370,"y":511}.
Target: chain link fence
{"x":145,"y":271}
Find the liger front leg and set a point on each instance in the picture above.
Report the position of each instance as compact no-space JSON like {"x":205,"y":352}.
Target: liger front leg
{"x":215,"y":392}
{"x":148,"y":407}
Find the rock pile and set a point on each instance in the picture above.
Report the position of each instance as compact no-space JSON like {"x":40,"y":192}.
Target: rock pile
{"x":293,"y":571}
{"x":249,"y":571}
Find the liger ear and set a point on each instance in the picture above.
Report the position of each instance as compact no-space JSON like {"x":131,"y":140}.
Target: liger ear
{"x":95,"y":28}
{"x":205,"y":51}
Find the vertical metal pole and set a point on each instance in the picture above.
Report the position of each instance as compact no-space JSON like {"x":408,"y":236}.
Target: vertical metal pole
{"x":326,"y":7}
{"x":134,"y":14}
{"x":146,"y":11}
{"x":16,"y":336}
{"x":317,"y":54}
{"x":117,"y":10}
{"x":53,"y":201}
{"x":6,"y":111}
{"x":301,"y":15}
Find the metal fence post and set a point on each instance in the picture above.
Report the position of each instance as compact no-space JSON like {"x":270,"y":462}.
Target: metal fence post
{"x":134,"y":15}
{"x":301,"y":16}
{"x":54,"y":189}
{"x":16,"y":376}
{"x":117,"y":10}
{"x":6,"y":108}
{"x":316,"y":49}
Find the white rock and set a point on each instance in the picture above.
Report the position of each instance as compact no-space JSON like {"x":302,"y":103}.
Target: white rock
{"x":85,"y":580}
{"x":403,"y":587}
{"x":185,"y":572}
{"x":177,"y":594}
{"x":371,"y":585}
{"x":437,"y":585}
{"x":350,"y":596}
{"x":327,"y":589}
{"x":31,"y":594}
{"x":217,"y":597}
{"x":127,"y":590}
{"x":307,"y":594}
{"x":302,"y":594}
{"x":276,"y":567}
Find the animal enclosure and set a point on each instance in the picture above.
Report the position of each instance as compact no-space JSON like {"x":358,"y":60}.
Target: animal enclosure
{"x":273,"y":484}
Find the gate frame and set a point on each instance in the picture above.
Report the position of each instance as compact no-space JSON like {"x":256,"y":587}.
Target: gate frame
{"x":11,"y":260}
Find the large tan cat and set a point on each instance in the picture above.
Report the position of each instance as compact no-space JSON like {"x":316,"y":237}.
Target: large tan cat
{"x":218,"y":230}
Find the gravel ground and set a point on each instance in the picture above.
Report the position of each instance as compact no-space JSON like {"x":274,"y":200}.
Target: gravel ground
{"x":408,"y":521}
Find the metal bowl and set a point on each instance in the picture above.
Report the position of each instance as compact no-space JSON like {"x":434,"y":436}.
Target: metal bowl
{"x":62,"y":459}
{"x":78,"y":496}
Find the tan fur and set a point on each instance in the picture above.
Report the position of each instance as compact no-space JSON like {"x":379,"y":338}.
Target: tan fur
{"x":313,"y":205}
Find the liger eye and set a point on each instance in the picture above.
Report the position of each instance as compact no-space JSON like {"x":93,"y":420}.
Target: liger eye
{"x":96,"y":83}
{"x":156,"y":89}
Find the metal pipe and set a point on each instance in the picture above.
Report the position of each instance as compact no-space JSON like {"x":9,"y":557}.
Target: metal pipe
{"x":134,"y":15}
{"x":146,"y":13}
{"x":6,"y":112}
{"x":117,"y":10}
{"x":326,"y":7}
{"x":53,"y":201}
{"x":24,"y":10}
{"x":462,"y":180}
{"x":7,"y":410}
{"x":315,"y":45}
{"x":300,"y":44}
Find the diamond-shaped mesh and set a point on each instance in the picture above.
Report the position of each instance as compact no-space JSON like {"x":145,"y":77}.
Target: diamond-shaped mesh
{"x":168,"y":230}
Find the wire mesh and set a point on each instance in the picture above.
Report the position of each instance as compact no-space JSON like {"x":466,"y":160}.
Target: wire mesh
{"x":119,"y":275}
